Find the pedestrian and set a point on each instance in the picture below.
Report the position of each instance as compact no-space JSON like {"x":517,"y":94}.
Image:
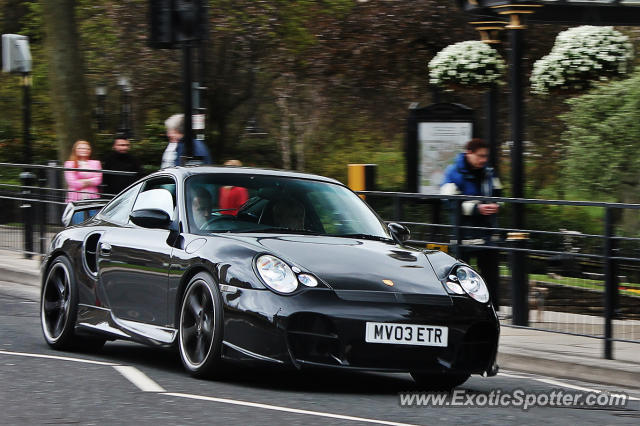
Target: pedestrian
{"x":470,"y":175}
{"x":82,"y":184}
{"x":120,"y":159}
{"x":232,"y":197}
{"x":175,"y":148}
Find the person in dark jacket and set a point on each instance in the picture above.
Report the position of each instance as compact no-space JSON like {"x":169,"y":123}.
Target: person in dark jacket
{"x":119,"y":159}
{"x":470,"y":175}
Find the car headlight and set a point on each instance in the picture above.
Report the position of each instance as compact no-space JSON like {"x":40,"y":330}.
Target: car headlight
{"x":470,"y":281}
{"x":276,"y":274}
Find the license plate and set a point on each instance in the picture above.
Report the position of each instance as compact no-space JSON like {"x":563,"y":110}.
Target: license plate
{"x":406,"y":334}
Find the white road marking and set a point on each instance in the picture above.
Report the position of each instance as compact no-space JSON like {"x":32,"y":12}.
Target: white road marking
{"x":515,"y":376}
{"x":138,"y":378}
{"x":561,"y":384}
{"x":61,"y":358}
{"x":287,"y":409}
{"x":580,"y":388}
{"x":566,"y":385}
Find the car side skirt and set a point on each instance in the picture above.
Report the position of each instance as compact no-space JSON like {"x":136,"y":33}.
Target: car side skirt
{"x":94,"y":319}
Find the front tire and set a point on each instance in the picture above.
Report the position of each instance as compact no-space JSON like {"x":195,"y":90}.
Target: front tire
{"x":439,"y":381}
{"x":200,"y":327}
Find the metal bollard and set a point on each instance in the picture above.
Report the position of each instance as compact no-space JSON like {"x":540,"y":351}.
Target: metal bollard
{"x":519,"y":278}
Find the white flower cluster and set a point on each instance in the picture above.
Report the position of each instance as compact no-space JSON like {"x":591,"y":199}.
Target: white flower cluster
{"x":580,"y":56}
{"x":468,"y":63}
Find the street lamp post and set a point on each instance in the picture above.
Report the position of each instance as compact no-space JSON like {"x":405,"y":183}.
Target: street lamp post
{"x":27,"y":177}
{"x":187,"y":80}
{"x":101,"y":96}
{"x":26,"y":109}
{"x":490,"y":34}
{"x":518,"y":258}
{"x":125,"y":108}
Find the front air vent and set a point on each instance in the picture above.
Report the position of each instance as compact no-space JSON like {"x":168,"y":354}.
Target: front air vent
{"x":90,"y":253}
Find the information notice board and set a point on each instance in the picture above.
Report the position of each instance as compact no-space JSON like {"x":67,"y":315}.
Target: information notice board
{"x":438,"y":145}
{"x":435,"y":134}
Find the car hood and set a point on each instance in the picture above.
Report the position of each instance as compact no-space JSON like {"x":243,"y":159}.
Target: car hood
{"x":348,"y":264}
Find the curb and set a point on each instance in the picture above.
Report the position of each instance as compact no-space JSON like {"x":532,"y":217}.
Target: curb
{"x":608,"y":372}
{"x":20,"y":276}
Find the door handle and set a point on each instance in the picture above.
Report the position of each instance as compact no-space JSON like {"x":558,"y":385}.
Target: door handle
{"x":105,"y":249}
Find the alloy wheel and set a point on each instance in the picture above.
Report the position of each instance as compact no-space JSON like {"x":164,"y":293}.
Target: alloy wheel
{"x":56,"y":302}
{"x":197,"y":324}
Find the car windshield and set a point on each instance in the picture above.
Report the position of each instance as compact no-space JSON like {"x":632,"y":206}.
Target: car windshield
{"x":257,"y":203}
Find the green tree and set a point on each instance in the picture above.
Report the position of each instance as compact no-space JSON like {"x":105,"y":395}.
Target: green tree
{"x":602,"y":140}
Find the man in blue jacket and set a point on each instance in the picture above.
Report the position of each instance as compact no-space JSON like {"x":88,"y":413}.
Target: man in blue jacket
{"x":175,"y":148}
{"x":470,"y":175}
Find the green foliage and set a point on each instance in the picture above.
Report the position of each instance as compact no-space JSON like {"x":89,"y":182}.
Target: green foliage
{"x":282,"y":23}
{"x":255,"y":151}
{"x":8,"y":142}
{"x":587,"y":220}
{"x":149,"y":150}
{"x":352,"y":140}
{"x":602,"y":140}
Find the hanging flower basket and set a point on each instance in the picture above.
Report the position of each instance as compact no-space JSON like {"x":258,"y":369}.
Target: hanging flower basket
{"x":580,"y":57}
{"x":468,"y":64}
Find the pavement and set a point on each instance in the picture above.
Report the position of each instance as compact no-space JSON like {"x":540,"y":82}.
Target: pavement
{"x":521,"y":349}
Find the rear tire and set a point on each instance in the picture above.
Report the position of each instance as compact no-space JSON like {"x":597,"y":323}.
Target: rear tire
{"x":200,"y":327}
{"x":59,"y":305}
{"x":439,"y":381}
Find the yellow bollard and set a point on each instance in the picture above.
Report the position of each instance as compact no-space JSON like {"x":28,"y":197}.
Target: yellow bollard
{"x":361,"y":177}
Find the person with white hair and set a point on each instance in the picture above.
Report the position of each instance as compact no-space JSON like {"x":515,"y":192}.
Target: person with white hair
{"x":175,"y":148}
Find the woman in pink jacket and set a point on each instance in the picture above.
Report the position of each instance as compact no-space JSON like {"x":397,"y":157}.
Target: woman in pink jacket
{"x":82,"y":185}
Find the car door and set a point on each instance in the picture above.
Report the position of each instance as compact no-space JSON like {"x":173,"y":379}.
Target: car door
{"x":134,"y":261}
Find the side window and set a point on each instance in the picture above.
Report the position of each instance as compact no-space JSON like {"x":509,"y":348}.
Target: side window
{"x":117,"y":211}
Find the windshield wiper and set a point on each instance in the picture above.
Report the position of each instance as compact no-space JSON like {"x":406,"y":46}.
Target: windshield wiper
{"x":364,"y":237}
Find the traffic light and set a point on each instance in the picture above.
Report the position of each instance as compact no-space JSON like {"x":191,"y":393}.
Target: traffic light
{"x":185,"y":20}
{"x":175,"y":22}
{"x":160,"y":23}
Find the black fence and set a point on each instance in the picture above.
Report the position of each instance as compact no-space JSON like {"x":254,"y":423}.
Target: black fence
{"x":582,"y":259}
{"x":33,"y":199}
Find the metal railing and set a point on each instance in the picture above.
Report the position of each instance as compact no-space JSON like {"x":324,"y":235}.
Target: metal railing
{"x":32,"y":209}
{"x":577,"y":282}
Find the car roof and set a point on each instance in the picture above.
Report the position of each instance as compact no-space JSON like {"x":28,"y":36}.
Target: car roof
{"x":186,"y":171}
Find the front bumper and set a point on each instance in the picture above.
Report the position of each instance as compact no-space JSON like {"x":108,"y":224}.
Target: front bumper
{"x":319,"y":328}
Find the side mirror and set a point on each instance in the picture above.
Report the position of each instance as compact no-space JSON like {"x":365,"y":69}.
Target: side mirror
{"x":151,"y":218}
{"x":399,"y":232}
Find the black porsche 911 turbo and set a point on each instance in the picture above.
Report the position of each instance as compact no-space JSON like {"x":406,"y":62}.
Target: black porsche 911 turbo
{"x":251,"y":265}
